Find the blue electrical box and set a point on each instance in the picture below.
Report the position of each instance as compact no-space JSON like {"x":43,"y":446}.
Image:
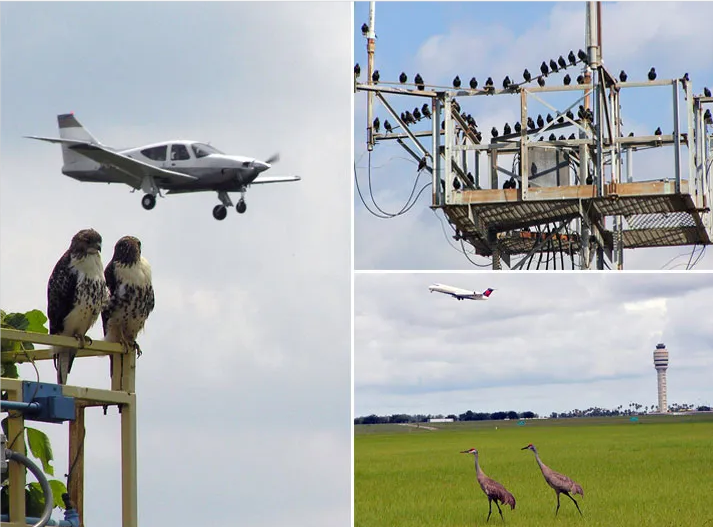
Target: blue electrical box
{"x":54,"y":407}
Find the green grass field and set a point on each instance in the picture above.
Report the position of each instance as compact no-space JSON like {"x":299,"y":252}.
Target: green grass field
{"x":657,"y":472}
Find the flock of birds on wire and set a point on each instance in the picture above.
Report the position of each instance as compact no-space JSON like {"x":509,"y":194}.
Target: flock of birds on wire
{"x":533,"y":126}
{"x":497,"y":493}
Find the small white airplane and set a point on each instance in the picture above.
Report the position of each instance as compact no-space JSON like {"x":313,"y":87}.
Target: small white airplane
{"x":459,"y":293}
{"x":176,"y":166}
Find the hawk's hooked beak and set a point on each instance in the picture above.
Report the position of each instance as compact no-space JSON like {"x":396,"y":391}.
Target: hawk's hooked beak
{"x":95,"y":248}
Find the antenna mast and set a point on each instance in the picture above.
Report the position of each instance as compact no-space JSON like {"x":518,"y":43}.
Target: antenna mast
{"x":370,"y":45}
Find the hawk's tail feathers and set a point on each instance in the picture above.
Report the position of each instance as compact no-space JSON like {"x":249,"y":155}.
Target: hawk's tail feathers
{"x":63,"y":360}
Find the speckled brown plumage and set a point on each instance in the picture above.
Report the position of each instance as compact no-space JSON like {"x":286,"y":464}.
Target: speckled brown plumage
{"x":128,"y":276}
{"x":76,"y":294}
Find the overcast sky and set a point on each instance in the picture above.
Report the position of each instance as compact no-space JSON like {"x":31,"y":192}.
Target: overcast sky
{"x":244,"y":385}
{"x":443,"y":39}
{"x":542,"y":342}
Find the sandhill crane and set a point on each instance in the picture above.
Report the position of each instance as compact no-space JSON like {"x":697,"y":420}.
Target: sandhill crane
{"x":559,"y":482}
{"x":493,"y":490}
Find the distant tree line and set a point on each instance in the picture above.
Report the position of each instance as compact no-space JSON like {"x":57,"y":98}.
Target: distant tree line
{"x":631,"y":409}
{"x":421,"y":418}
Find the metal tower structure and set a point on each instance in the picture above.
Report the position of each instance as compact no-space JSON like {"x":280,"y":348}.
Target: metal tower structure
{"x":567,"y":188}
{"x":60,"y":403}
{"x":661,"y":365}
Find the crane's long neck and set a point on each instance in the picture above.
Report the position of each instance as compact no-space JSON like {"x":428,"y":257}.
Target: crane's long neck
{"x":539,"y":461}
{"x":478,"y":470}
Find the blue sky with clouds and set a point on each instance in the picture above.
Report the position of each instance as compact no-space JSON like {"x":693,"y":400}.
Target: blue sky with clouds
{"x":244,"y":385}
{"x":542,"y":342}
{"x":442,"y":39}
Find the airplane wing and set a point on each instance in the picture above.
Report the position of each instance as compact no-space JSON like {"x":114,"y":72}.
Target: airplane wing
{"x":133,"y":169}
{"x":274,"y":179}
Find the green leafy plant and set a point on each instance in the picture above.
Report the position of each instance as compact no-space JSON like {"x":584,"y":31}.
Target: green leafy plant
{"x":36,"y":440}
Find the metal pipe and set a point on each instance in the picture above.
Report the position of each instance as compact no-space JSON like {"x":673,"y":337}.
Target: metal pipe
{"x":370,"y":45}
{"x":29,"y":408}
{"x":44,"y":484}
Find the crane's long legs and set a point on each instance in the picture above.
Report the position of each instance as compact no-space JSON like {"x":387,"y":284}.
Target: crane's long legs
{"x":558,"y":504}
{"x":490,"y":509}
{"x":499,"y":510}
{"x":575,"y":503}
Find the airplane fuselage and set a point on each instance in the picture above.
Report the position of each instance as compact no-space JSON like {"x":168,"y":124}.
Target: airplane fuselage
{"x":457,"y":292}
{"x":213,"y":169}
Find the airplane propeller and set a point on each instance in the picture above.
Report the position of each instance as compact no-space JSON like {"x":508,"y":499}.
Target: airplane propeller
{"x":273,"y":159}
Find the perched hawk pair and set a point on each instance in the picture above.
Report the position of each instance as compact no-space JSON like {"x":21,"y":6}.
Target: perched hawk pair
{"x":79,"y":290}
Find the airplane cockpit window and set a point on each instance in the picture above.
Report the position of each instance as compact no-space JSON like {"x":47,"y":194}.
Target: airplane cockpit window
{"x":156,"y":153}
{"x":202,"y":150}
{"x":179,"y":153}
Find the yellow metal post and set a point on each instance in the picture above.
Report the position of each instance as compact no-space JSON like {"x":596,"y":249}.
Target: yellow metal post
{"x":75,"y":484}
{"x":129,"y":494}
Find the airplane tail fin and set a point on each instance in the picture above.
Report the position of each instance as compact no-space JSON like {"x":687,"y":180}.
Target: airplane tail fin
{"x":70,"y":128}
{"x":487,"y":292}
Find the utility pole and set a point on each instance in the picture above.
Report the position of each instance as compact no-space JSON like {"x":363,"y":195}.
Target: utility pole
{"x":370,"y":45}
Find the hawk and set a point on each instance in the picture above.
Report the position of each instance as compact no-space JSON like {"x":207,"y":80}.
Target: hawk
{"x":76,"y":295}
{"x":128,"y":276}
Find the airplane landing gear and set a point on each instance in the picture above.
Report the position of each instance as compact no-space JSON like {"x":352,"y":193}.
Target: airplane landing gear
{"x":220,"y":212}
{"x":241,"y":207}
{"x":148,"y":201}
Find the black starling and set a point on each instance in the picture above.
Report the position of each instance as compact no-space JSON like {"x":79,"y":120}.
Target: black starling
{"x":530,"y":123}
{"x":623,"y":76}
{"x":456,"y":184}
{"x":526,"y":75}
{"x":707,"y":117}
{"x":560,"y":119}
{"x":571,"y":136}
{"x":387,"y":126}
{"x":375,"y":76}
{"x":403,"y":78}
{"x":506,"y":185}
{"x":456,"y":105}
{"x":494,"y":131}
{"x":416,"y":114}
{"x":553,"y":66}
{"x":357,"y":70}
{"x":364,"y":29}
{"x":541,"y":81}
{"x":549,"y":118}
{"x":631,"y":134}
{"x":443,"y":125}
{"x":562,"y":63}
{"x":506,"y":129}
{"x":706,"y":92}
{"x":552,"y":137}
{"x":686,"y":78}
{"x":589,"y":115}
{"x":570,"y":114}
{"x":377,"y":125}
{"x":426,"y":111}
{"x":582,"y":56}
{"x":541,"y":139}
{"x":580,"y":79}
{"x":589,"y":180}
{"x":518,"y":128}
{"x":506,"y":82}
{"x":422,"y":164}
{"x":540,"y":121}
{"x":419,"y":81}
{"x":658,"y":131}
{"x":571,"y":58}
{"x":473,"y":83}
{"x":580,"y":112}
{"x":561,"y":138}
{"x":652,"y":74}
{"x":543,"y":68}
{"x":471,"y":178}
{"x":567,"y":80}
{"x":489,"y":82}
{"x":456,"y":82}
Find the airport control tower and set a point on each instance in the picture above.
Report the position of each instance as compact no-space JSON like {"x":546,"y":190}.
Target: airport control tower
{"x":661,"y":365}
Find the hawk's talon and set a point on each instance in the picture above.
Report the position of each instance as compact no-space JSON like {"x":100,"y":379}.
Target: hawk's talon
{"x":137,"y":349}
